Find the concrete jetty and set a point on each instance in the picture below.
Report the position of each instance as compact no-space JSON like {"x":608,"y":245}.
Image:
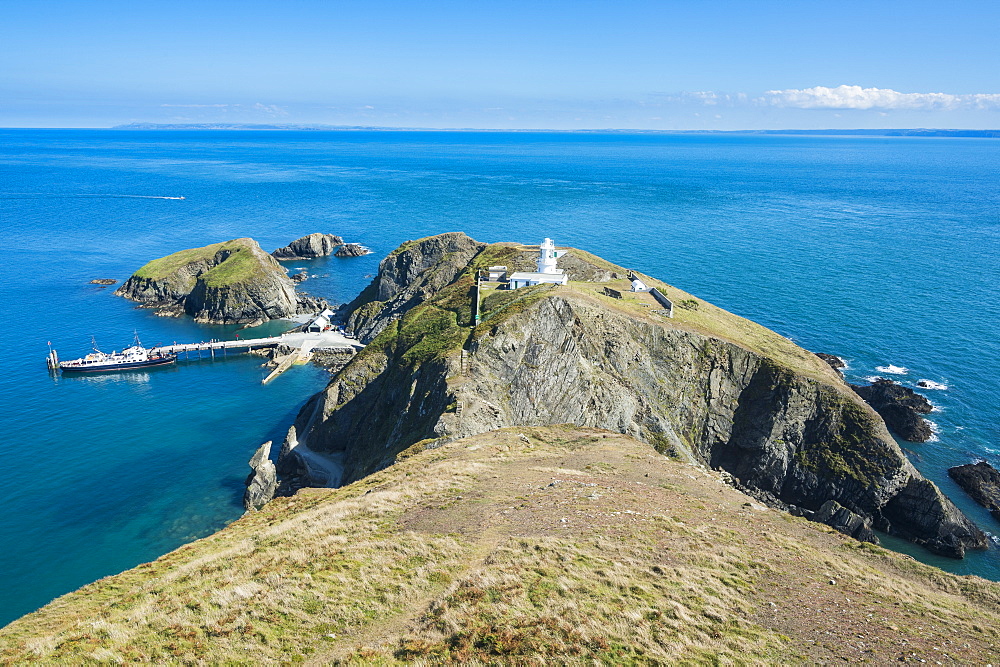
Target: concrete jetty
{"x":300,"y":343}
{"x":322,"y":339}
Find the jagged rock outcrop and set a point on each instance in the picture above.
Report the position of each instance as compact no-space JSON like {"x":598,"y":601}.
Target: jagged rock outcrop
{"x":836,"y":363}
{"x":900,"y":407}
{"x":309,"y":247}
{"x":408,"y":276}
{"x":103,"y":282}
{"x":223,"y":283}
{"x":708,"y":387}
{"x":840,"y":518}
{"x":263,"y":481}
{"x":982,"y":482}
{"x":352,"y":250}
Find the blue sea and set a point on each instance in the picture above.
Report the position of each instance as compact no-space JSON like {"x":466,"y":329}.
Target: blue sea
{"x":885,"y":251}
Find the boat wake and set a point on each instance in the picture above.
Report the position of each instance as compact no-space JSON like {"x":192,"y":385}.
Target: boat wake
{"x":61,"y":195}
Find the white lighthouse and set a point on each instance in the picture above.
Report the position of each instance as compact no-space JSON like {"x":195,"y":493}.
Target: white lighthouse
{"x":548,"y":272}
{"x":547,"y":257}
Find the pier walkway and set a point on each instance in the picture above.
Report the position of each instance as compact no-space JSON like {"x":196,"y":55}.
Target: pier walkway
{"x":301,"y":345}
{"x":306,"y":341}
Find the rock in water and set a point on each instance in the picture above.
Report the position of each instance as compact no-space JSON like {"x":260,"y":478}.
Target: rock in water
{"x":263,"y":481}
{"x":308,"y":247}
{"x":707,"y":387}
{"x":301,"y":276}
{"x":982,"y":482}
{"x":223,"y":283}
{"x":900,"y":407}
{"x":103,"y":282}
{"x":352,"y":250}
{"x":836,"y":363}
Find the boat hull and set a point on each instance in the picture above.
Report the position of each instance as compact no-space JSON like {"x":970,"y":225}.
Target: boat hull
{"x":126,"y":366}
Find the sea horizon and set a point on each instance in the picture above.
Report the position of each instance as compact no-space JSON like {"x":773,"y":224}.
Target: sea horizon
{"x":928,"y":132}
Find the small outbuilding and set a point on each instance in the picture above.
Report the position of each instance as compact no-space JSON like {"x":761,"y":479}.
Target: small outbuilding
{"x":495,"y":273}
{"x":639,"y":286}
{"x":321,"y":322}
{"x":318,"y":325}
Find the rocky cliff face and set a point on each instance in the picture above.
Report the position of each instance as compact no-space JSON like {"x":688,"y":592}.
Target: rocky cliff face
{"x":309,"y":247}
{"x":982,"y":482}
{"x":707,"y":387}
{"x":900,"y":407}
{"x":262,"y":482}
{"x":411,"y":274}
{"x":223,"y":283}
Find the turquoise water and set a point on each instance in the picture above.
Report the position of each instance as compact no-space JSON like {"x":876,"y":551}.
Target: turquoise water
{"x":881,"y":250}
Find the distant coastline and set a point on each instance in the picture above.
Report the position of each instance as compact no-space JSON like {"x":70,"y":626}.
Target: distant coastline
{"x":899,"y":132}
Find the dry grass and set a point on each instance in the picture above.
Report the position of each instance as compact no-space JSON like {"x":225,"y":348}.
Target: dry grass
{"x":712,"y":321}
{"x":578,"y":545}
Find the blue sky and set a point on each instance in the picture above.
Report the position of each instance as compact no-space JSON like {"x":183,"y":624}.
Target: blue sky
{"x":561,"y":65}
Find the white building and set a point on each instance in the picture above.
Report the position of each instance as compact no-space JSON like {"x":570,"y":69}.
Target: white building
{"x":321,"y":322}
{"x":547,"y":270}
{"x":639,"y":286}
{"x":318,"y":325}
{"x":495,"y":273}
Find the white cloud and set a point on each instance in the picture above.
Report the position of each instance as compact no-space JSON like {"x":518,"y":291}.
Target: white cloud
{"x":856,"y":97}
{"x":709,"y":98}
{"x":270,"y":109}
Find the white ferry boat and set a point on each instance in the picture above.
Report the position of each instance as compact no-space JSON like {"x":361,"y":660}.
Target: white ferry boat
{"x":131,"y":357}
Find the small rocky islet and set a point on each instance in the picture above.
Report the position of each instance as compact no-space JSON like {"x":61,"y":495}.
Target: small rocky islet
{"x":316,"y":245}
{"x":536,"y":466}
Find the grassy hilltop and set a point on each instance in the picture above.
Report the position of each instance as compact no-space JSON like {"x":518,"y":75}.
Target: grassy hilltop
{"x":449,"y":311}
{"x":555,"y":542}
{"x":240,"y":263}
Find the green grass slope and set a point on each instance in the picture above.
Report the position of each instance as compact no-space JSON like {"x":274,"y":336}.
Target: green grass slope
{"x":516,"y":545}
{"x":242,"y":263}
{"x":690,"y":313}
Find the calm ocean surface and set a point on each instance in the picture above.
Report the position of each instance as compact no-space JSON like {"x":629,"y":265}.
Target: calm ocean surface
{"x":881,"y":250}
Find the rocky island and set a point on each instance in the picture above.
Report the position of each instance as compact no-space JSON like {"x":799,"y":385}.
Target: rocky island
{"x":223,"y":283}
{"x":705,"y":386}
{"x":555,"y":472}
